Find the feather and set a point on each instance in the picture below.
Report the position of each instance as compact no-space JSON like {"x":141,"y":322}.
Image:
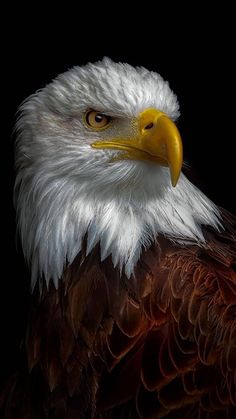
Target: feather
{"x":133,"y":310}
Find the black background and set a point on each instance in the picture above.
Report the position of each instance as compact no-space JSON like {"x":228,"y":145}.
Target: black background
{"x":195,"y":57}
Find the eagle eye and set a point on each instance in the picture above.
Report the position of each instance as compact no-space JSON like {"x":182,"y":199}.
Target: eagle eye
{"x":97,"y":120}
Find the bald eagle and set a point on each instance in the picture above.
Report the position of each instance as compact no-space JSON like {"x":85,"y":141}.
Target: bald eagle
{"x":133,"y":311}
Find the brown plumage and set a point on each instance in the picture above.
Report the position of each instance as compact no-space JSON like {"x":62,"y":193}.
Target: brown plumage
{"x":160,"y":345}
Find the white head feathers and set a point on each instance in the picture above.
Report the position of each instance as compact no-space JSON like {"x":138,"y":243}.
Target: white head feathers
{"x":65,"y":188}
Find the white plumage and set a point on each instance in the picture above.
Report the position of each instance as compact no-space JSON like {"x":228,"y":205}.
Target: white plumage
{"x":65,"y":188}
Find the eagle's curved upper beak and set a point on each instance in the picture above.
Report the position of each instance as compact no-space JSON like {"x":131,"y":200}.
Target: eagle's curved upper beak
{"x":158,"y":140}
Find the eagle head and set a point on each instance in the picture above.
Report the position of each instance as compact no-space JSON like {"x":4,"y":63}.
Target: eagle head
{"x":98,"y":154}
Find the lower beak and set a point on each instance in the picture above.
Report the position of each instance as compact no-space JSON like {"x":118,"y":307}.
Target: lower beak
{"x":158,"y":141}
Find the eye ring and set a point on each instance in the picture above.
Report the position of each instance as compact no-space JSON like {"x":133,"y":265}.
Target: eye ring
{"x":97,"y":120}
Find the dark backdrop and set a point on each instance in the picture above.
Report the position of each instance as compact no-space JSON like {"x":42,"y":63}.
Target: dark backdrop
{"x":198,"y":64}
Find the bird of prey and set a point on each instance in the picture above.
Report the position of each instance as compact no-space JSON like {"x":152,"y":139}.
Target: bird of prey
{"x":133,"y":311}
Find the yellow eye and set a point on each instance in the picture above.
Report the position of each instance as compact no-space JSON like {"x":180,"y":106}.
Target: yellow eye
{"x":97,"y":120}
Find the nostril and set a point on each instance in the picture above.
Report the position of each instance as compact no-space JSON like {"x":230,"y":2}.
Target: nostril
{"x":149,"y":126}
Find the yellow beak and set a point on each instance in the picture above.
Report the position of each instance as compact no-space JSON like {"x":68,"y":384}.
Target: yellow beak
{"x":158,"y":140}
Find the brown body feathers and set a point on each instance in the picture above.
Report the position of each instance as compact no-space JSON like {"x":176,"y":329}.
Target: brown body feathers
{"x":160,"y":345}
